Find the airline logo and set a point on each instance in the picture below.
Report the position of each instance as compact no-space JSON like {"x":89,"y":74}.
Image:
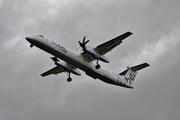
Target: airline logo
{"x":59,"y":47}
{"x":126,"y":80}
{"x":130,"y":78}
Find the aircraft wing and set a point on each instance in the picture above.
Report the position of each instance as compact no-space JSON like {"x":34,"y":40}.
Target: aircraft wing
{"x":109,"y":45}
{"x":54,"y":70}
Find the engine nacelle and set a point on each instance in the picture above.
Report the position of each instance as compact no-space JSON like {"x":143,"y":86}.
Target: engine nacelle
{"x":94,"y":54}
{"x":68,"y":68}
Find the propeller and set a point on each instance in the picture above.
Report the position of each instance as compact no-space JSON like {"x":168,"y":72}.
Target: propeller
{"x":83,"y":43}
{"x":55,"y":59}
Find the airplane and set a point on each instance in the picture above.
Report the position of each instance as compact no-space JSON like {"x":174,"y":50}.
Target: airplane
{"x":71,"y":62}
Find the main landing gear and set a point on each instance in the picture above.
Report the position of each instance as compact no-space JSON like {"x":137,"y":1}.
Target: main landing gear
{"x":55,"y":59}
{"x":69,"y":79}
{"x":97,"y":66}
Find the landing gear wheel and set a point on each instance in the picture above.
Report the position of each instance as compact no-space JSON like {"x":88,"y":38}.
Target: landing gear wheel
{"x":69,"y":79}
{"x":97,"y":66}
{"x":31,"y":45}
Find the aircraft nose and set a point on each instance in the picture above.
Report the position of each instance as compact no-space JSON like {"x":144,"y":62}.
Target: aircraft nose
{"x":28,"y":39}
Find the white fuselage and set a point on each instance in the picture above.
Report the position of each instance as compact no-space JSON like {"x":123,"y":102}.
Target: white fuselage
{"x":78,"y":60}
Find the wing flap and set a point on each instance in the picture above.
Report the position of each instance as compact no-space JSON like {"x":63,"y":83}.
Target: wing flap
{"x":54,"y":70}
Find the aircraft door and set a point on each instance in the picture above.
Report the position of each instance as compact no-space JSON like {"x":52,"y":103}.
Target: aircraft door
{"x":47,"y":41}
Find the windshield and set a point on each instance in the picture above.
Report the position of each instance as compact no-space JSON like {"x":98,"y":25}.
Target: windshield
{"x":40,"y":35}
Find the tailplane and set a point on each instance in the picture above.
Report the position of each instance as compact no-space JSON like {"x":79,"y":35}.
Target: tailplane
{"x":130,"y":73}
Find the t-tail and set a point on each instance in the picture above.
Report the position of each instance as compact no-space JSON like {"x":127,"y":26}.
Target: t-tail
{"x":128,"y":76}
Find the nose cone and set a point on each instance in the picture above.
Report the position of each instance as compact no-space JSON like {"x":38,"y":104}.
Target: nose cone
{"x":29,"y":39}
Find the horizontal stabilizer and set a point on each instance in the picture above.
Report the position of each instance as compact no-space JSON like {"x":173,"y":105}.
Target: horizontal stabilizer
{"x":135,"y":68}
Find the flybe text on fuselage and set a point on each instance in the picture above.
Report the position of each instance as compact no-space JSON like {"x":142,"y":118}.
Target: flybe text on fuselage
{"x":59,"y":47}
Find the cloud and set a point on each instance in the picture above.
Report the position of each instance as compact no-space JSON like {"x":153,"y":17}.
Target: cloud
{"x":27,"y":95}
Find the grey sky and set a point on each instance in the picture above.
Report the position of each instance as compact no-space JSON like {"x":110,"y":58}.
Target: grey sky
{"x":155,"y":25}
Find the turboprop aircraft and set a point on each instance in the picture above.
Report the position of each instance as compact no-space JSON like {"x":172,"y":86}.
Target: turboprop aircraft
{"x":71,"y":62}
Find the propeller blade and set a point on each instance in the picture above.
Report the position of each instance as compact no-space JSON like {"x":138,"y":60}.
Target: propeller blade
{"x":54,"y":58}
{"x":84,"y":39}
{"x":86,"y":42}
{"x":50,"y":63}
{"x":78,"y":48}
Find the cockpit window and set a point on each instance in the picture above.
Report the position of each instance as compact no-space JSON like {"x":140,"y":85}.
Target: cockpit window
{"x":40,"y":35}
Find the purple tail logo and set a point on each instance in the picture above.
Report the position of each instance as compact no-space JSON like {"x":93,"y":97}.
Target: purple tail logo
{"x":130,"y":78}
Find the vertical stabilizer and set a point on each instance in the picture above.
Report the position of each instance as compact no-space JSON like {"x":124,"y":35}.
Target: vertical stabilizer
{"x":130,"y":73}
{"x":130,"y":76}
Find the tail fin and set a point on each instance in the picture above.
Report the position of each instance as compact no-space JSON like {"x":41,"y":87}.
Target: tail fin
{"x":130,"y":73}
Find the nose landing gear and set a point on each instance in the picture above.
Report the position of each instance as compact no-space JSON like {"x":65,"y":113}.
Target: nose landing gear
{"x":31,"y":45}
